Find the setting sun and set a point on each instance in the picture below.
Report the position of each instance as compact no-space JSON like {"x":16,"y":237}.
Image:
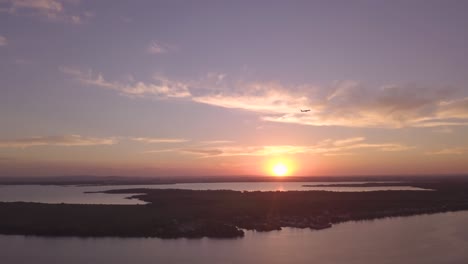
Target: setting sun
{"x":280,"y":169}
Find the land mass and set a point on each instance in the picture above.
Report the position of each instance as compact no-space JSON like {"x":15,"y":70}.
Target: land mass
{"x":134,"y":180}
{"x":172,"y":213}
{"x":365,"y":184}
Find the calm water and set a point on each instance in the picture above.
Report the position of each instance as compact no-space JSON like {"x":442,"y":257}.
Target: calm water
{"x":77,"y":195}
{"x":438,"y":238}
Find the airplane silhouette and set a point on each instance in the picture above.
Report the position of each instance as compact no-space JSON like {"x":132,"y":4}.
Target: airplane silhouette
{"x":303,"y":111}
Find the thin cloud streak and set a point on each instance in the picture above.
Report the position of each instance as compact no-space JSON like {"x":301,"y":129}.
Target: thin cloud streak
{"x":52,"y":10}
{"x":161,"y":88}
{"x":327,"y":147}
{"x":216,"y":142}
{"x":204,"y":152}
{"x":64,"y":141}
{"x":449,"y":151}
{"x":161,"y":150}
{"x":159,"y":140}
{"x":348,"y":141}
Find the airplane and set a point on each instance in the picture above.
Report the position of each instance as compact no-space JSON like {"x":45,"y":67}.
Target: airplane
{"x":303,"y":111}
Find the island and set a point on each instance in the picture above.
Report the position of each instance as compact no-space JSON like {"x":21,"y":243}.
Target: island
{"x":175,"y":213}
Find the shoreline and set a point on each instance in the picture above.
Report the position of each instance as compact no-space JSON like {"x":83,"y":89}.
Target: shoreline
{"x":227,"y":238}
{"x":179,"y":213}
{"x":123,"y":180}
{"x":222,"y":231}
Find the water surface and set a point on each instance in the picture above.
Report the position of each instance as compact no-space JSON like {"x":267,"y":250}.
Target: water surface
{"x":77,"y":195}
{"x":428,"y":239}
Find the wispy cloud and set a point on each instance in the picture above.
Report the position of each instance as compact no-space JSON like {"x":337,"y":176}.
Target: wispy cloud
{"x":67,"y":141}
{"x":204,"y":152}
{"x":348,"y":141}
{"x":349,"y":104}
{"x":157,"y":47}
{"x":161,"y":150}
{"x":267,"y":98}
{"x":449,"y":151}
{"x":389,"y":147}
{"x":335,"y":154}
{"x":53,"y":10}
{"x":327,"y":147}
{"x":3,"y":41}
{"x":344,"y":103}
{"x":159,"y":140}
{"x":216,"y":142}
{"x":161,"y":87}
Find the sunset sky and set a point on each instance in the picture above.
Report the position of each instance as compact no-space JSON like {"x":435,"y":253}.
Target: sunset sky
{"x":174,"y":88}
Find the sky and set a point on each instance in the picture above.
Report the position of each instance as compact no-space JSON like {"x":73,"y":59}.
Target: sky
{"x":206,"y":88}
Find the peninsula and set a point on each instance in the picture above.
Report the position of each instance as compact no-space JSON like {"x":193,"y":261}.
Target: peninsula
{"x":173,"y":213}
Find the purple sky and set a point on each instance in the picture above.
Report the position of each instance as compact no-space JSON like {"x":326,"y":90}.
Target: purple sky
{"x":216,"y":87}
